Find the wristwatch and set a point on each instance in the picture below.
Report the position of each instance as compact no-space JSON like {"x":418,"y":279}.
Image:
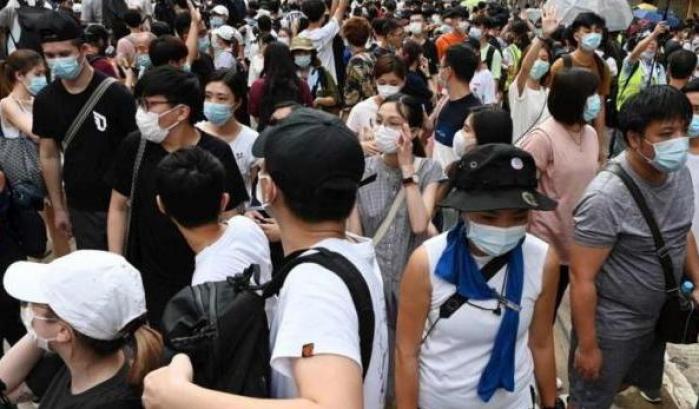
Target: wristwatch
{"x":411,"y":179}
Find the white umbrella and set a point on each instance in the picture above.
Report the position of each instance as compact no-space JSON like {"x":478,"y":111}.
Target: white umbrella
{"x":617,"y":13}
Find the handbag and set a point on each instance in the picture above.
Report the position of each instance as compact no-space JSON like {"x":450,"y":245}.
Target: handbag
{"x":679,"y":318}
{"x":26,"y":201}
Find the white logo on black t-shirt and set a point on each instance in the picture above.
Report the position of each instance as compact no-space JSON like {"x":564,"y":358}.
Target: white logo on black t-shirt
{"x":100,"y":121}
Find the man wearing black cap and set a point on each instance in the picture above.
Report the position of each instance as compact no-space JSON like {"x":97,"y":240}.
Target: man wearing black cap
{"x":312,"y":170}
{"x":89,"y":149}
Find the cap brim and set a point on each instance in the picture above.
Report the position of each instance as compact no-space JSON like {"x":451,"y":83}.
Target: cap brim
{"x":480,"y":201}
{"x":25,"y":281}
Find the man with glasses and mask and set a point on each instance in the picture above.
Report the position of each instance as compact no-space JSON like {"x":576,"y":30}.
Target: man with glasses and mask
{"x":88,"y":150}
{"x":170,"y":102}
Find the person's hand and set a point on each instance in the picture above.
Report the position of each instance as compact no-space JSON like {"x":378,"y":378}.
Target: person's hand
{"x":588,"y":362}
{"x":523,"y":15}
{"x":425,"y":65}
{"x":161,"y":387}
{"x":695,"y":296}
{"x":271,"y":229}
{"x":254,"y":215}
{"x":549,"y":21}
{"x":405,"y":147}
{"x":369,"y":148}
{"x":194,"y":11}
{"x":660,"y":29}
{"x":61,"y":220}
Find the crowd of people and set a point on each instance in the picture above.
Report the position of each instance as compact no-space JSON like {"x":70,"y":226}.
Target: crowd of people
{"x":365,"y":173}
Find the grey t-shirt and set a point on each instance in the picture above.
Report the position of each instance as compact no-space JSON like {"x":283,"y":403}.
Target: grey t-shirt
{"x":631,"y":283}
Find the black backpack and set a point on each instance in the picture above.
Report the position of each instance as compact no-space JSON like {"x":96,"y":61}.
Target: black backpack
{"x":30,"y":19}
{"x":222,"y":326}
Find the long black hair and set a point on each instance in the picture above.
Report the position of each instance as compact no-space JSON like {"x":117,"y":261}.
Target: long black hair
{"x":281,"y":80}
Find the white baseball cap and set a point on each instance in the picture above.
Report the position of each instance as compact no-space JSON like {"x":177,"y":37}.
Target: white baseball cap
{"x":220,"y":10}
{"x":98,"y":293}
{"x":229,"y":33}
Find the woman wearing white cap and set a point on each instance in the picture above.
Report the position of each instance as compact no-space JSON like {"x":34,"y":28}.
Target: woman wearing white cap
{"x":88,"y":308}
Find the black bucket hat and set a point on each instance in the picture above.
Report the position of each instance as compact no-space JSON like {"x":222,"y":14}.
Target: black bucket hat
{"x":496,"y":177}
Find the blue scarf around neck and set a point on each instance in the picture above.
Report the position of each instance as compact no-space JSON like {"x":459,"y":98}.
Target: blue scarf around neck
{"x":457,"y":266}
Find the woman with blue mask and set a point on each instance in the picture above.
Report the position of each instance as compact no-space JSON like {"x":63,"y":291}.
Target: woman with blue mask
{"x":528,"y":93}
{"x":566,"y":153}
{"x":225,"y":94}
{"x":24,"y":73}
{"x":326,"y":95}
{"x":477,"y":330}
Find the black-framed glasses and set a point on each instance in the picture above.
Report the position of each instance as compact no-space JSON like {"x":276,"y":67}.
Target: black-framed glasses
{"x":147,"y":105}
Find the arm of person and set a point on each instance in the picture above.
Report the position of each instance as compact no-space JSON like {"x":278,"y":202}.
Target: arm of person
{"x":338,"y":10}
{"x":11,"y":111}
{"x":193,"y":34}
{"x":419,"y":204}
{"x":585,"y":265}
{"x":16,"y":364}
{"x":541,"y":332}
{"x":50,"y":160}
{"x":354,"y":222}
{"x":527,"y":62}
{"x":116,"y":222}
{"x":171,"y":388}
{"x":691,"y":266}
{"x":600,"y":126}
{"x":635,"y":55}
{"x":414,"y":286}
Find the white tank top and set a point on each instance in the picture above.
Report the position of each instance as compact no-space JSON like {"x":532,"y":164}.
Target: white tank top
{"x":9,"y":131}
{"x":457,"y":350}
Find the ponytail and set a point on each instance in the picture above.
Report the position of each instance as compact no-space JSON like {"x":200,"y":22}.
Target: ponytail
{"x":147,"y":354}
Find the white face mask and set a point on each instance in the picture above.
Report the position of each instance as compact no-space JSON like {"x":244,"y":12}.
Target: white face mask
{"x":386,"y":139}
{"x":462,"y":143}
{"x":27,"y":316}
{"x":386,"y":91}
{"x":415,"y":28}
{"x":495,"y":241}
{"x":149,"y":125}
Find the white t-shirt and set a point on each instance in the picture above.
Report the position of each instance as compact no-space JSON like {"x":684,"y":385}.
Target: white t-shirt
{"x":224,"y":60}
{"x":243,"y":243}
{"x":315,"y":309}
{"x":363,"y":115}
{"x":527,"y":110}
{"x":242,"y":150}
{"x":323,"y":42}
{"x":457,"y":350}
{"x":693,"y":166}
{"x":483,"y":86}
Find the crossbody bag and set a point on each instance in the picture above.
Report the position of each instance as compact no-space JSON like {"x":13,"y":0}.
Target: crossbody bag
{"x":85,"y":111}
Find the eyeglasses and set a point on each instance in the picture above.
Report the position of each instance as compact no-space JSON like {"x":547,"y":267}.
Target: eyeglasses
{"x":147,"y":105}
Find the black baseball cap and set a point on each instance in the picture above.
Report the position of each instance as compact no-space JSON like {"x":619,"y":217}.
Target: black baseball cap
{"x":59,"y":26}
{"x":457,"y":11}
{"x":496,"y":177}
{"x":311,"y":154}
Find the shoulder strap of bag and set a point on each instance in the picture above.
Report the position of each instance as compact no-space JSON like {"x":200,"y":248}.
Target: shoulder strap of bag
{"x":453,"y":303}
{"x":393,"y":211}
{"x":134,"y":178}
{"x":660,"y":248}
{"x":85,"y":111}
{"x":357,"y":286}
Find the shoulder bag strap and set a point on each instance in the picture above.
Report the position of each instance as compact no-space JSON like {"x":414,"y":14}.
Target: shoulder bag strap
{"x":134,"y":177}
{"x":356,"y":284}
{"x":393,"y":211}
{"x":660,"y":248}
{"x":85,"y":111}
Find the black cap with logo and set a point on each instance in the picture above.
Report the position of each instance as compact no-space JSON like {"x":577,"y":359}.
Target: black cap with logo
{"x":496,"y":177}
{"x":312,"y":153}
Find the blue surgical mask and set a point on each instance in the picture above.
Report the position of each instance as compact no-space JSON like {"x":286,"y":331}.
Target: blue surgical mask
{"x":36,"y":84}
{"x":495,"y":241}
{"x":303,"y":60}
{"x":65,"y":68}
{"x":671,"y":155}
{"x":216,"y":22}
{"x":143,"y":61}
{"x":693,"y":130}
{"x":593,"y":106}
{"x":475,"y":33}
{"x":539,"y":69}
{"x":591,"y":41}
{"x":204,"y":44}
{"x":217,"y":114}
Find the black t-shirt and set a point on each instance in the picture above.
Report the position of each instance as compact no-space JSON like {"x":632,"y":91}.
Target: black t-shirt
{"x":114,"y":393}
{"x":451,"y":118}
{"x":91,"y":152}
{"x":156,"y":248}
